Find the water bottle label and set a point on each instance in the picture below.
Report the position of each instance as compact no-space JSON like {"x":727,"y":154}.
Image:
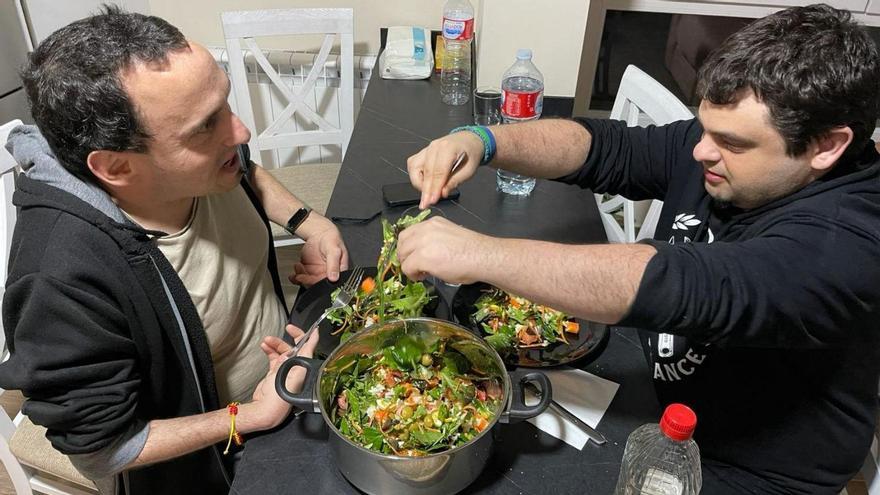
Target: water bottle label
{"x":521,"y":105}
{"x":458,"y":30}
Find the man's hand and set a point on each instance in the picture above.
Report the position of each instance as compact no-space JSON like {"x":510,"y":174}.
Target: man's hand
{"x":430,"y":170}
{"x":447,"y":251}
{"x":271,"y":409}
{"x":323,"y":256}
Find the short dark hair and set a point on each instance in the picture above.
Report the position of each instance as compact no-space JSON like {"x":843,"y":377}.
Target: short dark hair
{"x":813,"y":67}
{"x":74,"y":83}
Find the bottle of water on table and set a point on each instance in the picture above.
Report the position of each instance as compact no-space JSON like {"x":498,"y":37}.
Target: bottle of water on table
{"x":662,"y":459}
{"x":455,"y":73}
{"x":522,"y":99}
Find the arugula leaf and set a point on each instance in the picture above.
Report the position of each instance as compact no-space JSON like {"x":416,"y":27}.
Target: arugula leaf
{"x":407,"y":352}
{"x":372,"y":438}
{"x":413,"y":298}
{"x":426,"y":437}
{"x":501,"y":342}
{"x":455,"y":363}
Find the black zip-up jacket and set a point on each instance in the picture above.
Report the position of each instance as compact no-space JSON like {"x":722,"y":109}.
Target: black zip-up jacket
{"x":104,"y":336}
{"x":770,"y":315}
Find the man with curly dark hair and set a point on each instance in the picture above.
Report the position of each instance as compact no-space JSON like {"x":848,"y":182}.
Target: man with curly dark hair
{"x":760,"y":294}
{"x":143,"y":295}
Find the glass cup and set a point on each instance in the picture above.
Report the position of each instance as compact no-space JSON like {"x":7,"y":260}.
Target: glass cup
{"x":487,"y":106}
{"x":515,"y":184}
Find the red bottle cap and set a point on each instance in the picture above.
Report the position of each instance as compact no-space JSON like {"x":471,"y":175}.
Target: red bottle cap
{"x":678,"y":422}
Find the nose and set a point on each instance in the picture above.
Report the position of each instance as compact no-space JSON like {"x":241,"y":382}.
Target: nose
{"x":239,"y":134}
{"x":706,"y":150}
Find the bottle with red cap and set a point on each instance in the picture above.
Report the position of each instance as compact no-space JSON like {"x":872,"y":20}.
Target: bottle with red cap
{"x":662,"y":459}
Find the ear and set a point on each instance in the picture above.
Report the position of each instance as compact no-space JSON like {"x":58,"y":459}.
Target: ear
{"x":112,"y":168}
{"x":828,"y":148}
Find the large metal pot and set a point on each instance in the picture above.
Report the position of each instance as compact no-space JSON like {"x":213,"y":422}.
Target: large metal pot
{"x":440,"y":473}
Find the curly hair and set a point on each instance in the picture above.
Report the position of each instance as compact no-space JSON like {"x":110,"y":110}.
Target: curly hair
{"x":74,"y":83}
{"x":813,"y":67}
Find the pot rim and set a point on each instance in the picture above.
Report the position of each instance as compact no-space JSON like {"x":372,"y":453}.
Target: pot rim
{"x":504,"y":404}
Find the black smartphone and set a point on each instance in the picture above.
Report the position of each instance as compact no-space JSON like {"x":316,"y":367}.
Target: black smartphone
{"x":404,"y":194}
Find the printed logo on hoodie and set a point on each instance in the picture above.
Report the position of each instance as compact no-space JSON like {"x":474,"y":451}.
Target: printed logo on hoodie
{"x":674,"y":359}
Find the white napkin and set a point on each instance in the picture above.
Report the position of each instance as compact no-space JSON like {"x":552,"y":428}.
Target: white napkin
{"x":585,"y":395}
{"x":407,"y":53}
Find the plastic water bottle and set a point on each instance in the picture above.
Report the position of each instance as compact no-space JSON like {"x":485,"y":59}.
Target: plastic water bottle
{"x":662,"y":459}
{"x":458,"y":31}
{"x":522,"y":99}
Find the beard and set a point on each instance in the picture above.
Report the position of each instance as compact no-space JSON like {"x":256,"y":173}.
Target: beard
{"x":720,"y":204}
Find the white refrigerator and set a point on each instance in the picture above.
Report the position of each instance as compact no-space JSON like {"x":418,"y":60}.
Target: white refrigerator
{"x":23,"y":24}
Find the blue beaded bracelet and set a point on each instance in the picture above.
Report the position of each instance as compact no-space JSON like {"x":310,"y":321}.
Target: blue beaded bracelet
{"x":485,"y":136}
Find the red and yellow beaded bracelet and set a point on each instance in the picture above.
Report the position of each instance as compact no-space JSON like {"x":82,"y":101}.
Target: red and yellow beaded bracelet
{"x":234,"y":436}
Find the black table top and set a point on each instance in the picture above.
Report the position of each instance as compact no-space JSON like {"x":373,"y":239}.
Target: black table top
{"x":396,"y":120}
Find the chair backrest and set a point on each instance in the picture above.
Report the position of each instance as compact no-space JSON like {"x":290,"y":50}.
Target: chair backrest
{"x":641,"y":100}
{"x":241,"y":27}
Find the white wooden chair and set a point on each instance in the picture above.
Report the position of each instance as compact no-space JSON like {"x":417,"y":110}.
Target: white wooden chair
{"x":640,"y":101}
{"x":31,"y":462}
{"x":871,"y":467}
{"x":240,"y":28}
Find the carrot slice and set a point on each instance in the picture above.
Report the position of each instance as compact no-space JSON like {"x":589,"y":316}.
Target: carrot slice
{"x":572,"y":327}
{"x":368,"y":285}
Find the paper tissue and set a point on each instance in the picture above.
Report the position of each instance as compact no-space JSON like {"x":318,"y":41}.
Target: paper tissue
{"x":407,"y":53}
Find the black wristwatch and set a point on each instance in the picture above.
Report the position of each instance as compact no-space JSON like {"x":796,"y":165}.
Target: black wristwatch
{"x":297,"y":219}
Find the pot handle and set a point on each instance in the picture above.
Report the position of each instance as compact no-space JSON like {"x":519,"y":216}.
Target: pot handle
{"x":518,"y":410}
{"x":305,"y":398}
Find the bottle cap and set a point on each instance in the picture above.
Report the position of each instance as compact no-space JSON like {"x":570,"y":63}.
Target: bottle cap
{"x":524,"y":54}
{"x":678,"y":422}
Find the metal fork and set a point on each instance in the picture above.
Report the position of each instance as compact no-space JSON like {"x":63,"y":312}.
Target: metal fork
{"x":344,"y":296}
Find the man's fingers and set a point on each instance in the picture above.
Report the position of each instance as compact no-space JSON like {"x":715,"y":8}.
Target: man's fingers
{"x":273,"y":347}
{"x":308,"y":280}
{"x":334,"y":257}
{"x":308,"y":274}
{"x":309,"y":347}
{"x":428,"y":179}
{"x":415,"y":167}
{"x":343,"y":265}
{"x":411,"y":270}
{"x":294,"y":331}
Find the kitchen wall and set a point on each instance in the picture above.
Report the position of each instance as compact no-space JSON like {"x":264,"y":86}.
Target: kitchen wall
{"x":553,"y":29}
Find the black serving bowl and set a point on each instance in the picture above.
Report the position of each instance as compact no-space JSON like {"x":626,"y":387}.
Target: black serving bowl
{"x":582,"y":348}
{"x":314,"y":300}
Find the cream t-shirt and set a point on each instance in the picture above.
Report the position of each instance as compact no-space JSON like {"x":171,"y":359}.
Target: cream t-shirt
{"x":221,"y":256}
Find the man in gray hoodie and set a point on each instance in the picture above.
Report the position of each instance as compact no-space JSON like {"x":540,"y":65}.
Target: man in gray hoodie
{"x":142,"y":294}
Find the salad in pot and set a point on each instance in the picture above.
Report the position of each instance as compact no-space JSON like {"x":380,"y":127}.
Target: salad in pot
{"x":410,"y":399}
{"x":411,"y":404}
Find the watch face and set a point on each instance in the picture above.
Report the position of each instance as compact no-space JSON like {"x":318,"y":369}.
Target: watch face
{"x":297,"y":219}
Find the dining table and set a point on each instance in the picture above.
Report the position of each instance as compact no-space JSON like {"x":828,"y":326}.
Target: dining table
{"x":397,"y":118}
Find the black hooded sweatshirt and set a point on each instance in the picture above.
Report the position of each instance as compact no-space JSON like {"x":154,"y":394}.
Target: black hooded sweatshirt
{"x":764,"y":321}
{"x":104,"y":337}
